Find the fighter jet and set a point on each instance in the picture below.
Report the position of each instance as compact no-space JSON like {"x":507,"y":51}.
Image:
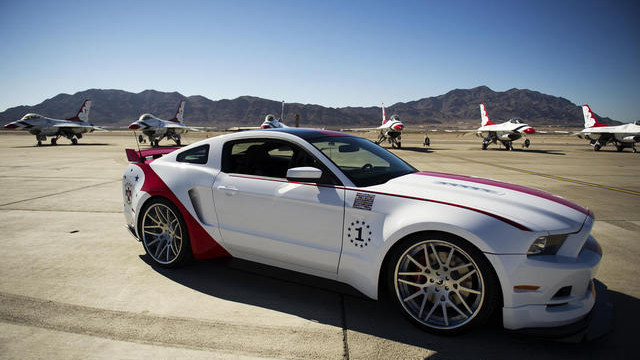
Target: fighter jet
{"x":156,"y":129}
{"x":506,"y":132}
{"x":390,"y":130}
{"x":42,"y":126}
{"x":599,"y":134}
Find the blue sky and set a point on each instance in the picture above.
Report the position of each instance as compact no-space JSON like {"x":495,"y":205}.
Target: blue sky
{"x":332,"y":53}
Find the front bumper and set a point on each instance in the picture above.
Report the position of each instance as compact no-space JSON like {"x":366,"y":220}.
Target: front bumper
{"x":597,"y":323}
{"x":547,"y":291}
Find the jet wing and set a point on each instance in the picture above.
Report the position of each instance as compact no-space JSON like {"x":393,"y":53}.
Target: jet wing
{"x":73,"y":126}
{"x":360,"y":129}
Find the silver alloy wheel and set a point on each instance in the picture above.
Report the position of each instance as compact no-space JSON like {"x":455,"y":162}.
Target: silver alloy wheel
{"x":439,"y":284}
{"x":161,"y":233}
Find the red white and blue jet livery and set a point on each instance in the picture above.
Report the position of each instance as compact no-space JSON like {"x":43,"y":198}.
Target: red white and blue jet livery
{"x":156,"y":129}
{"x":42,"y":126}
{"x":451,"y":250}
{"x":599,"y":134}
{"x":506,"y":132}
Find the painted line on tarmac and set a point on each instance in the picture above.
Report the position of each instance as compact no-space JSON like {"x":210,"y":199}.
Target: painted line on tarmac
{"x":560,"y":178}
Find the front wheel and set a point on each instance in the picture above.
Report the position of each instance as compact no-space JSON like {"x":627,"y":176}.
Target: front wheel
{"x":442,"y":284}
{"x":164,"y":233}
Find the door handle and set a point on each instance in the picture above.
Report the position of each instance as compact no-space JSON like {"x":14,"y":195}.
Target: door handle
{"x":228,"y":189}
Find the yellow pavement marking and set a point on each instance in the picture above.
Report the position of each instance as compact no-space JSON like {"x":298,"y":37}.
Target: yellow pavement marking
{"x":580,"y":182}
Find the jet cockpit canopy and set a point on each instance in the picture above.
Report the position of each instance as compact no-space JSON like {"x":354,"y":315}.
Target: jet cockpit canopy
{"x":146,"y":117}
{"x":31,"y":116}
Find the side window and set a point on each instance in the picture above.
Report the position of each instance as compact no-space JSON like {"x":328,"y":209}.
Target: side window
{"x":270,"y":158}
{"x":197,"y":155}
{"x":257,"y":157}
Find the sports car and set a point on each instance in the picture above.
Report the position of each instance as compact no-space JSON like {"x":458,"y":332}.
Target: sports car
{"x":451,"y":251}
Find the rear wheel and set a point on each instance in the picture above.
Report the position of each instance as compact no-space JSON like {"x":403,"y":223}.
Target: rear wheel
{"x":164,"y":233}
{"x":442,"y":284}
{"x":74,"y":141}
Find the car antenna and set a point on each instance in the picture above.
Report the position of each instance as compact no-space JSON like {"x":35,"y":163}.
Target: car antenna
{"x":135,"y":136}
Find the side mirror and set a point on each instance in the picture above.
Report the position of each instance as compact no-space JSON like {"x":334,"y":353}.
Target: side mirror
{"x":304,"y":174}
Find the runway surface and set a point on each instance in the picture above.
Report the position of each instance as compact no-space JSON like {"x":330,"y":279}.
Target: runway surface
{"x":74,"y":283}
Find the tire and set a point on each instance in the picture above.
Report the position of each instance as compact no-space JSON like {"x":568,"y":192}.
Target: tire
{"x":399,"y":145}
{"x":527,"y":143}
{"x":484,"y":146}
{"x":619,"y":147}
{"x":178,"y":142}
{"x":596,"y":147}
{"x":435,"y":296}
{"x":54,"y":141}
{"x":164,"y":234}
{"x":74,"y":141}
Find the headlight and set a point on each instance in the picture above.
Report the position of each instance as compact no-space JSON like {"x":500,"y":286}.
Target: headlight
{"x":547,"y":245}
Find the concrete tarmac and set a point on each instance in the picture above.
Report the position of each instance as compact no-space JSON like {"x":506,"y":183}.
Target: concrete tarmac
{"x":75,"y":284}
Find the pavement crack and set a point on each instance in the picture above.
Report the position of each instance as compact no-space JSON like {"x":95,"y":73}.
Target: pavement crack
{"x":60,"y":192}
{"x":169,"y":331}
{"x":345,"y":342}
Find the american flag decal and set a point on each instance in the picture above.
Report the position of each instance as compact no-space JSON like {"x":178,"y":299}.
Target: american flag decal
{"x":363,"y":201}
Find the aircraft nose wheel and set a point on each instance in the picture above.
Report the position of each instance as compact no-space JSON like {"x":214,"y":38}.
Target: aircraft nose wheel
{"x":527,"y":143}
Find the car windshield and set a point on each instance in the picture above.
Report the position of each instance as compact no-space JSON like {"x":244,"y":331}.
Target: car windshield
{"x":362,"y":161}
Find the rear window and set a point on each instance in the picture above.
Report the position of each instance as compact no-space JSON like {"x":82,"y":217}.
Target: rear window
{"x":197,"y":155}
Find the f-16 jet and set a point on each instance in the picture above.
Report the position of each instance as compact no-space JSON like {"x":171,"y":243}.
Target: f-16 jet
{"x":390,"y":130}
{"x":505,"y":133}
{"x":599,"y":134}
{"x":42,"y":126}
{"x":156,"y":129}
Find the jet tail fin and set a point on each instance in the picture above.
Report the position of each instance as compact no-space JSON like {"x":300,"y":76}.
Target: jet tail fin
{"x":83,"y":113}
{"x":179,"y":118}
{"x":485,"y":116}
{"x":590,"y":120}
{"x":384,"y":115}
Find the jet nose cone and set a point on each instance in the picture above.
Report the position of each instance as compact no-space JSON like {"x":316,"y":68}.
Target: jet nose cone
{"x":398,"y":127}
{"x":134,"y":126}
{"x":11,"y":126}
{"x":529,"y":130}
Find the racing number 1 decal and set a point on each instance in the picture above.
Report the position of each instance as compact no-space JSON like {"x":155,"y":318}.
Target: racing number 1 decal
{"x":359,"y":233}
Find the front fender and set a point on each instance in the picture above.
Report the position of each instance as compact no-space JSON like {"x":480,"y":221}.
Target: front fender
{"x":391,"y":219}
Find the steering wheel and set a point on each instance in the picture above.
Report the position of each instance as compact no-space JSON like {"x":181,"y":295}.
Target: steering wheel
{"x":367,"y":168}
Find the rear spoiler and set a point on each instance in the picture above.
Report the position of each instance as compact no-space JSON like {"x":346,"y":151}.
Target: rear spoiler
{"x":148,"y":154}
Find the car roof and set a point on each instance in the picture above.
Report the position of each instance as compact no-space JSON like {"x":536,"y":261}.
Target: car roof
{"x":306,"y":133}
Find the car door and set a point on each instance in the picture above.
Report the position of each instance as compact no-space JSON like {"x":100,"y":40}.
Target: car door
{"x":263,"y":217}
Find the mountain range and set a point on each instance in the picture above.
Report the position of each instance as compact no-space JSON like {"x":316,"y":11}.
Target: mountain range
{"x":455,"y":109}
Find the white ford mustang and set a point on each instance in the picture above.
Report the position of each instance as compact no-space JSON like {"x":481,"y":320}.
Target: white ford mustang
{"x":450,"y":250}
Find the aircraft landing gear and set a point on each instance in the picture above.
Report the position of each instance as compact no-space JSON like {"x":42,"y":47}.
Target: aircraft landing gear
{"x":54,"y":141}
{"x":485,"y":144}
{"x":140,"y":139}
{"x":527,"y":143}
{"x":39,"y":143}
{"x":40,"y":139}
{"x":74,"y":141}
{"x":155,"y":143}
{"x":633,"y":146}
{"x":596,"y":147}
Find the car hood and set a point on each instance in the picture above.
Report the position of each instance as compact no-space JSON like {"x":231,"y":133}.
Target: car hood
{"x":520,"y":206}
